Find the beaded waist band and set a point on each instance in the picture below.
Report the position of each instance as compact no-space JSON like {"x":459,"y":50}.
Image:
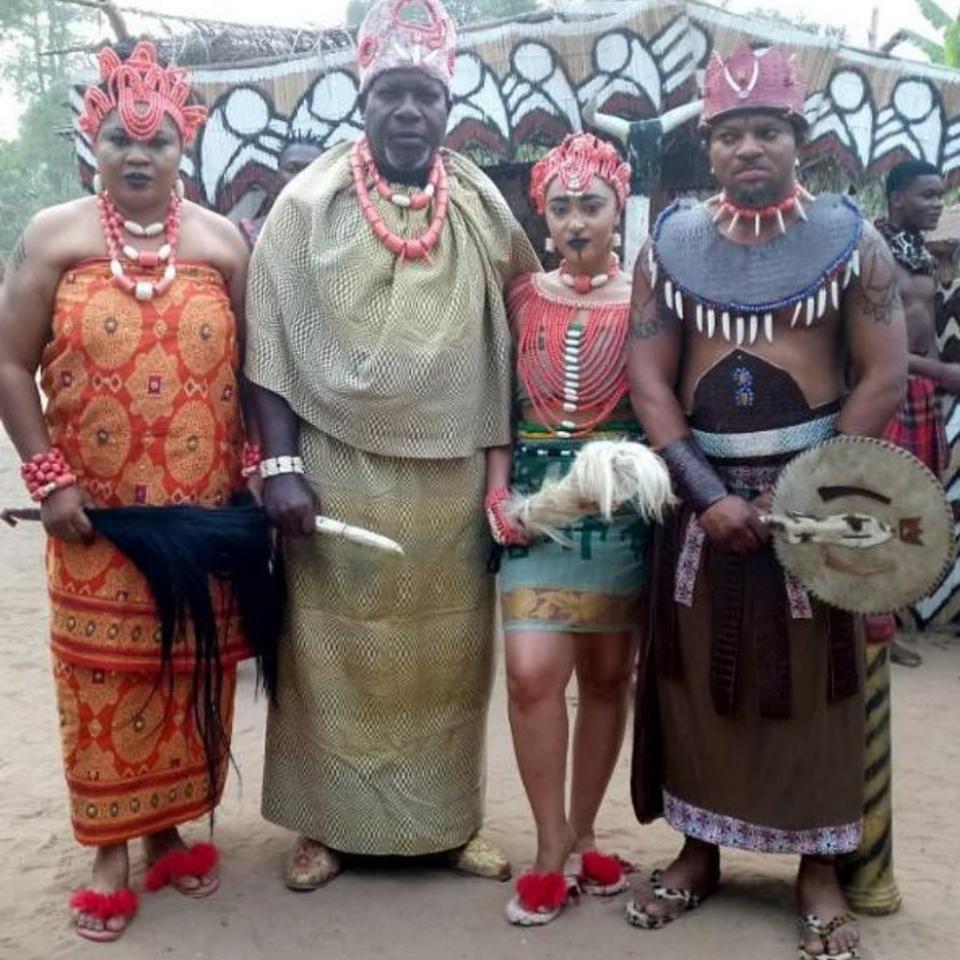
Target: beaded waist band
{"x":531,"y":432}
{"x":766,"y":443}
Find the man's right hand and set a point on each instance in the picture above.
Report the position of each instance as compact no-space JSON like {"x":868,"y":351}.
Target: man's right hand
{"x":290,"y":504}
{"x":735,"y":525}
{"x":63,"y":515}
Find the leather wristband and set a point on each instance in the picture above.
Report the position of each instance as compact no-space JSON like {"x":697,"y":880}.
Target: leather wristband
{"x":694,"y":480}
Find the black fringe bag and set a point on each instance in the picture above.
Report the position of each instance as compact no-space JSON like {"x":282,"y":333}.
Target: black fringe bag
{"x":178,"y":549}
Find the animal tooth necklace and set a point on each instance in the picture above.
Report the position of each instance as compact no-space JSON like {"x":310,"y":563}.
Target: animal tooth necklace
{"x":736,"y":212}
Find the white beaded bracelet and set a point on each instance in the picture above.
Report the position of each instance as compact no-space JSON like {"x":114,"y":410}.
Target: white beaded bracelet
{"x":275,"y":466}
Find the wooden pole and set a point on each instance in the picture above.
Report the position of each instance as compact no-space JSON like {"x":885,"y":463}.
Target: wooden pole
{"x":867,"y":874}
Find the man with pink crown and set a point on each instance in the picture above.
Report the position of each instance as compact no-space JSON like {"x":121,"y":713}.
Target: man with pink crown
{"x":764,"y":321}
{"x":380,"y":353}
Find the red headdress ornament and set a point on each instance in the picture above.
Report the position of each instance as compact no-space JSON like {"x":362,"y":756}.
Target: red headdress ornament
{"x":576,"y":161}
{"x":407,"y":33}
{"x":141,"y":91}
{"x":753,"y":80}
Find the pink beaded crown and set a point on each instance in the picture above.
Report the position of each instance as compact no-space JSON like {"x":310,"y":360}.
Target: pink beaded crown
{"x":752,"y":80}
{"x":407,"y":33}
{"x":576,"y":161}
{"x":141,"y":91}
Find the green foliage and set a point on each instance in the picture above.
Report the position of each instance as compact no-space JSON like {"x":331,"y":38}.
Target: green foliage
{"x":951,"y":44}
{"x":947,"y":51}
{"x":37,"y":169}
{"x":935,"y":15}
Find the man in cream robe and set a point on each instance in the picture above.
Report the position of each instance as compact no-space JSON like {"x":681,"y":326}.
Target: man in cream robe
{"x":388,"y":376}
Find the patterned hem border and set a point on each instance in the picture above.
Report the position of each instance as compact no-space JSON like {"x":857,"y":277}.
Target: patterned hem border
{"x":730,"y":832}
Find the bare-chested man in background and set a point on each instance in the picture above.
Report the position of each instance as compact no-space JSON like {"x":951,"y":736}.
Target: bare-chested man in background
{"x":914,"y":204}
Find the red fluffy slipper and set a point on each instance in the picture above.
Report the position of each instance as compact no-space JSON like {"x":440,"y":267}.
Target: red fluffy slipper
{"x":602,"y":875}
{"x":196,"y":862}
{"x":119,"y":905}
{"x":540,"y":897}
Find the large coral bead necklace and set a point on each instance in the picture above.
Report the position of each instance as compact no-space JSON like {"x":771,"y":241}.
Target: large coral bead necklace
{"x":584,"y":283}
{"x":114,"y":226}
{"x":407,"y":248}
{"x":571,"y":357}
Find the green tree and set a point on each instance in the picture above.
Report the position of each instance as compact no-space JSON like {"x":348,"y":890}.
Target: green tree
{"x":39,"y":168}
{"x":947,"y":51}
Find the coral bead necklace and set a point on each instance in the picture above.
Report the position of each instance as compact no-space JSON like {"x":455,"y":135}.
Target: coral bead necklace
{"x":114,"y":226}
{"x":571,"y":359}
{"x":583,"y":283}
{"x":364,"y":168}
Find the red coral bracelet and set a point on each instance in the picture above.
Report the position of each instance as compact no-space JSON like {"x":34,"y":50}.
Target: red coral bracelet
{"x":250,"y":459}
{"x":46,"y":472}
{"x":504,"y":532}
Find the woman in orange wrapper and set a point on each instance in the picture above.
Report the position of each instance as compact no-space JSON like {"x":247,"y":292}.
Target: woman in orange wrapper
{"x":130,"y":303}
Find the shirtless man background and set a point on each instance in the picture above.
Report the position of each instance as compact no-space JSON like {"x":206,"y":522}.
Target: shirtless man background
{"x":914,"y":205}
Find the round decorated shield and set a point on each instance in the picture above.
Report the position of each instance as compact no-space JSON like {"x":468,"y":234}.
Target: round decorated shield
{"x":862,"y":524}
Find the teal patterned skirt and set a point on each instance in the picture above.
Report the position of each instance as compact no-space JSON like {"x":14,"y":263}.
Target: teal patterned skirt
{"x":593,"y":586}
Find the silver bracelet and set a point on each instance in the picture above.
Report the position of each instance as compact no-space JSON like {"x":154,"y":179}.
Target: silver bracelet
{"x":275,"y":466}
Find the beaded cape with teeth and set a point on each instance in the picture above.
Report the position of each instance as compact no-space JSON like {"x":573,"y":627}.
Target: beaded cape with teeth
{"x":743,"y":293}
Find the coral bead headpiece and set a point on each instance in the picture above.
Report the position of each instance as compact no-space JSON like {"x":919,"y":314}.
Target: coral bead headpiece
{"x":753,"y":80}
{"x":407,"y":33}
{"x":576,"y":161}
{"x":141,"y":91}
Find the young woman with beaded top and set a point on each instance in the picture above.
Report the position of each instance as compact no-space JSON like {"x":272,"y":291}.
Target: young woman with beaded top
{"x":567,"y":609}
{"x":130,"y":304}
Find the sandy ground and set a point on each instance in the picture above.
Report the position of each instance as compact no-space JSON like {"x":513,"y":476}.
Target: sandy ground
{"x":420,"y":911}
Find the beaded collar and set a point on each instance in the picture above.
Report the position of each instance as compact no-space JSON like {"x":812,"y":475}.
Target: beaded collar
{"x":735,"y":290}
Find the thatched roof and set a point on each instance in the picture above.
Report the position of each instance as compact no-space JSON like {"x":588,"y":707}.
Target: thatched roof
{"x":200,"y":41}
{"x":209,"y":41}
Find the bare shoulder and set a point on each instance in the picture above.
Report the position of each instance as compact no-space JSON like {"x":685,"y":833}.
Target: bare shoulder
{"x":59,"y":236}
{"x":641,"y":273}
{"x":214,"y":224}
{"x":871,"y":238}
{"x":620,"y":286}
{"x":550,"y":281}
{"x":211,"y":237}
{"x":875,"y":291}
{"x":55,"y":219}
